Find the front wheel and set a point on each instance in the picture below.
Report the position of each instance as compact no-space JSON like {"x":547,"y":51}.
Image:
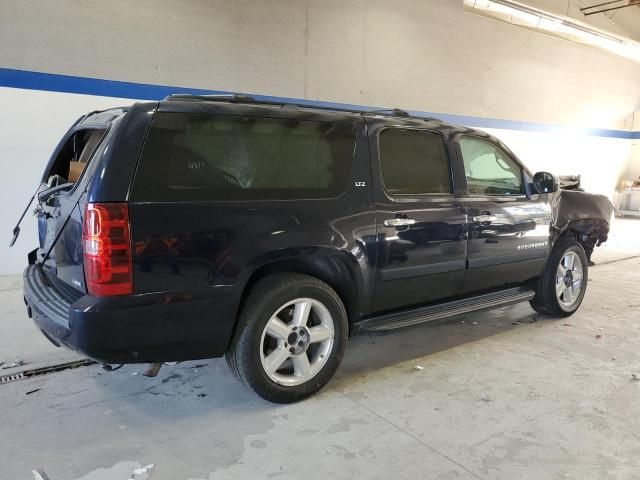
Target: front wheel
{"x":564,"y":281}
{"x":291,"y":337}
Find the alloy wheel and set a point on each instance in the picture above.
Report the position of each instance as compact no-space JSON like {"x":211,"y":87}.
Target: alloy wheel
{"x":297,"y":341}
{"x":569,"y":279}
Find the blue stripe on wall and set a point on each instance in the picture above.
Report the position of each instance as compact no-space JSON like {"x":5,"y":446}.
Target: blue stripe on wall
{"x":142,"y":91}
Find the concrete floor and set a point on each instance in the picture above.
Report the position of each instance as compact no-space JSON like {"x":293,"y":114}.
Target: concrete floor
{"x":516,"y":396}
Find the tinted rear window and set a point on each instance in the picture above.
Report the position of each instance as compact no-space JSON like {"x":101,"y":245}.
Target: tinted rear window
{"x":413,"y":162}
{"x":213,"y":157}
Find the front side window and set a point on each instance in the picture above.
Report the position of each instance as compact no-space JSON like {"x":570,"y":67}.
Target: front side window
{"x":413,"y":162}
{"x":489,"y":170}
{"x":214,"y":157}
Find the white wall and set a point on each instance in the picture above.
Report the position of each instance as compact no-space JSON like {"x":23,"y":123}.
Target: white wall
{"x":599,"y":160}
{"x":632,"y":170}
{"x":426,"y":55}
{"x":420,"y":54}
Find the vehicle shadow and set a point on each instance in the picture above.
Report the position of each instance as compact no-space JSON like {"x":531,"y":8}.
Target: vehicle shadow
{"x":199,"y":387}
{"x":371,"y":352}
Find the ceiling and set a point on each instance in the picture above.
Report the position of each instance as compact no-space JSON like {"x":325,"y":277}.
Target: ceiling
{"x":625,"y":21}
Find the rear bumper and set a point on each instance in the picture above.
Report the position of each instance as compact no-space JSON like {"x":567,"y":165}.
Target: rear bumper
{"x":158,"y":327}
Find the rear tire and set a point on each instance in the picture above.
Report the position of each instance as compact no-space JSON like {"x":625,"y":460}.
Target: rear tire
{"x":291,"y":336}
{"x":564,"y":282}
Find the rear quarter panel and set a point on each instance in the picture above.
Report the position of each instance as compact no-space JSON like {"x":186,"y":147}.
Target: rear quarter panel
{"x":114,"y":172}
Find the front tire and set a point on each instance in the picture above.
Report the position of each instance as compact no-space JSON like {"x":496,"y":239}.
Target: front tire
{"x":563,"y":284}
{"x":291,"y":336}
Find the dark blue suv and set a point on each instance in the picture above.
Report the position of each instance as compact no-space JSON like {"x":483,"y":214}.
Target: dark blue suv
{"x":197,"y":227}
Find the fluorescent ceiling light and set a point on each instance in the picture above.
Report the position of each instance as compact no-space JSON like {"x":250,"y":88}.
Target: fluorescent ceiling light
{"x":532,"y":18}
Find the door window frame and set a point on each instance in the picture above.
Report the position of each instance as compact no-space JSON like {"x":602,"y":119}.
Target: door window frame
{"x":525,"y":175}
{"x":409,"y":197}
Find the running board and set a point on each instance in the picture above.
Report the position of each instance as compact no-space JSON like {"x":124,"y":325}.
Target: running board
{"x":415,"y":316}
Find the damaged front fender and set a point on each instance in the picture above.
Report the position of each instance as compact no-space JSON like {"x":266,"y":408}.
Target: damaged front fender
{"x":586,"y":216}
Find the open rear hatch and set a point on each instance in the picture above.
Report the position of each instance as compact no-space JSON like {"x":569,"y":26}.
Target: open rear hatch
{"x":59,"y":201}
{"x":59,"y":213}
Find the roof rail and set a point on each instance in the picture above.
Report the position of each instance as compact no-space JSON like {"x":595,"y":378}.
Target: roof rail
{"x":244,"y":98}
{"x":396,"y":112}
{"x":218,"y":97}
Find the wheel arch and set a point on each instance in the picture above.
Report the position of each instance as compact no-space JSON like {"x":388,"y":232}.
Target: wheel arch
{"x":338,"y":269}
{"x":588,"y":232}
{"x":583,"y":216}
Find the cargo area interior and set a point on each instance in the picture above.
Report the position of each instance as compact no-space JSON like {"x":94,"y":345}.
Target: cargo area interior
{"x":73,"y":157}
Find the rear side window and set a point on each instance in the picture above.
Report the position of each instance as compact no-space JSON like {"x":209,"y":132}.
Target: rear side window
{"x":413,"y":162}
{"x":489,"y":170}
{"x":213,"y":157}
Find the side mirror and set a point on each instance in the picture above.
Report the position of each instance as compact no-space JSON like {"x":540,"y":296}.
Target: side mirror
{"x":545,"y":182}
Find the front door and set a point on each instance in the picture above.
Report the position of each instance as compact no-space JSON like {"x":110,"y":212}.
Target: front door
{"x":420,"y":223}
{"x":508,"y":226}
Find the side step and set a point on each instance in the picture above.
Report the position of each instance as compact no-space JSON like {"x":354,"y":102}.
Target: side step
{"x":391,"y":321}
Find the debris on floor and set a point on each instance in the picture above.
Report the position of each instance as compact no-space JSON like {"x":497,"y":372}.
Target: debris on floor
{"x":110,"y":368}
{"x":567,"y":325}
{"x":635,"y":377}
{"x":17,"y":363}
{"x":418,"y":367}
{"x":598,"y":336}
{"x":140,"y":471}
{"x":39,"y":475}
{"x":32,"y":391}
{"x":475,"y":323}
{"x":485,"y":398}
{"x":202,"y":395}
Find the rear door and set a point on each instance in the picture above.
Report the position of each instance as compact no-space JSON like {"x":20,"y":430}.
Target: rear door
{"x":508,"y":225}
{"x":420,"y":222}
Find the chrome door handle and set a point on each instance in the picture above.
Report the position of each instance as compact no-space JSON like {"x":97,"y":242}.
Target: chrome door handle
{"x":399,"y":222}
{"x":485,"y":218}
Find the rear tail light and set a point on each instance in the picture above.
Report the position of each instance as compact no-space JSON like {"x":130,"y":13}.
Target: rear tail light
{"x":106,"y":248}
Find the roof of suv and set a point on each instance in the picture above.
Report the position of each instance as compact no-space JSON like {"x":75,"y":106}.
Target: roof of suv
{"x":176,"y":102}
{"x":240,"y":98}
